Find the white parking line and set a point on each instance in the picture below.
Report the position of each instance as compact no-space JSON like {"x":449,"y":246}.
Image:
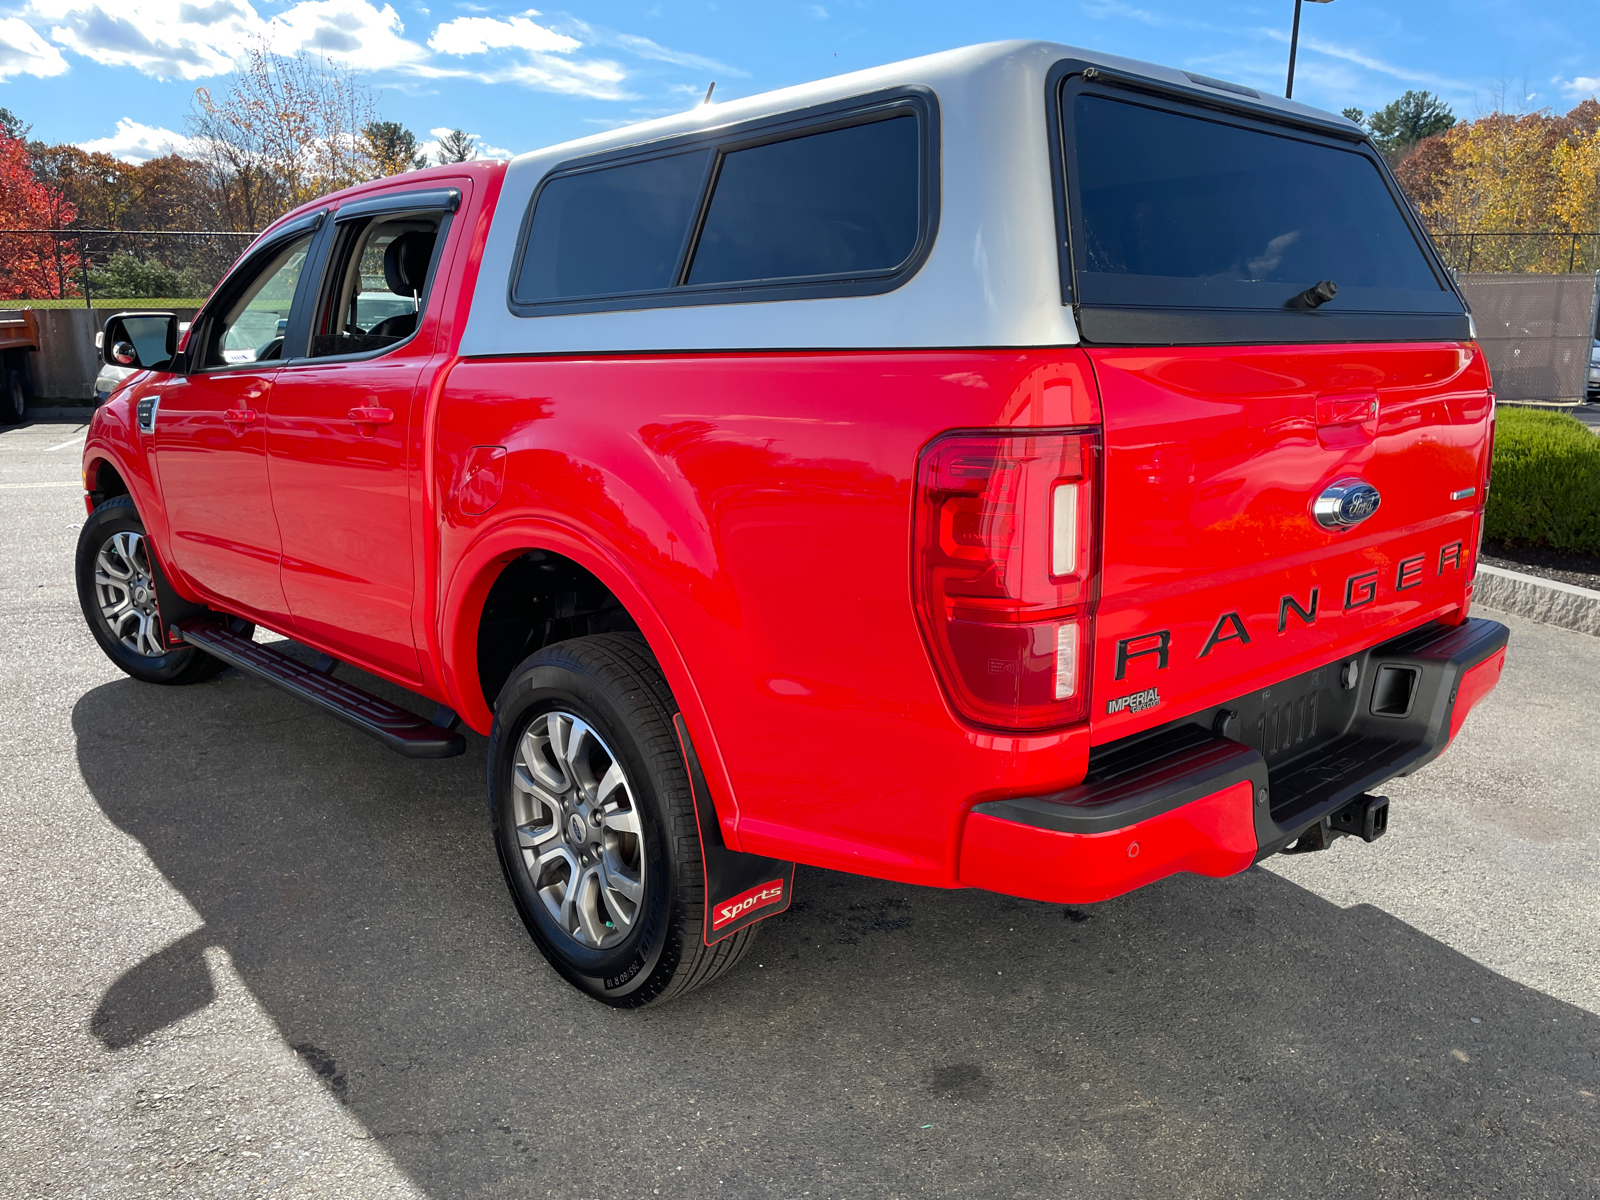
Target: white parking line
{"x":76,"y":441}
{"x":12,"y":487}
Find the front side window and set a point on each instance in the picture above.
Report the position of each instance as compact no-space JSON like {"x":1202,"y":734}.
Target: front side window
{"x":377,"y":283}
{"x":1182,"y":210}
{"x":842,"y":204}
{"x":251,"y":327}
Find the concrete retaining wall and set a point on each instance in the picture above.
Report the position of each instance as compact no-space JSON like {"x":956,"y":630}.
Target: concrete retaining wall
{"x":67,"y":361}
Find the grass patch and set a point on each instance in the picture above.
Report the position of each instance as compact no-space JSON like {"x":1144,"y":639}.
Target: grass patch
{"x":1545,"y":484}
{"x":112,"y":304}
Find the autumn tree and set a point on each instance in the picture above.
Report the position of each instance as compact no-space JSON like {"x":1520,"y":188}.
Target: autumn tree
{"x":173,"y":192}
{"x":31,"y":264}
{"x":289,"y":128}
{"x":393,"y":148}
{"x":457,"y":146}
{"x":1576,"y":162}
{"x":99,"y":186}
{"x":1534,"y":173}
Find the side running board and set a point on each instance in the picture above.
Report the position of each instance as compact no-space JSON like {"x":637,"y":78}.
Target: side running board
{"x":402,"y":731}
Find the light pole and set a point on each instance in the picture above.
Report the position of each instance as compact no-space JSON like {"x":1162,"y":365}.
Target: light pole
{"x":1294,"y":43}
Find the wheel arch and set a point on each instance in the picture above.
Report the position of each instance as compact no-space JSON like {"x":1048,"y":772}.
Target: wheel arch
{"x":103,"y":481}
{"x":116,"y":463}
{"x":466,"y":601}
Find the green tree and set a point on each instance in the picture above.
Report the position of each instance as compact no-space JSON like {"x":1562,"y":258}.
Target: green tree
{"x":1403,"y":123}
{"x":1354,"y":114}
{"x":393,"y":148}
{"x":13,"y":126}
{"x":457,"y":146}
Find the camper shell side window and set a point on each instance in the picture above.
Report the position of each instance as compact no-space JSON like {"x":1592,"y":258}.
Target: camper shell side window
{"x":840,"y":200}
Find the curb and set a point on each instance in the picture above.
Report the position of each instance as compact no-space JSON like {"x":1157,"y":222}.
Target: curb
{"x":1542,"y":600}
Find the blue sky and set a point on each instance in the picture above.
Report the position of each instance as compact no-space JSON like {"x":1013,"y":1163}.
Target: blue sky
{"x":118,"y":74}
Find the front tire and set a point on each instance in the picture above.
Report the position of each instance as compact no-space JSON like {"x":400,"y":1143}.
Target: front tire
{"x":116,"y":577}
{"x":592,"y":816}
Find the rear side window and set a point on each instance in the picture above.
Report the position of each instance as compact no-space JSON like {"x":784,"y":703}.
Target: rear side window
{"x":1191,"y":225}
{"x":840,"y":203}
{"x":828,"y":204}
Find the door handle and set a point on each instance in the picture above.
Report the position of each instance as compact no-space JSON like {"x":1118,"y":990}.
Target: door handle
{"x":239,"y":416}
{"x":372,"y":416}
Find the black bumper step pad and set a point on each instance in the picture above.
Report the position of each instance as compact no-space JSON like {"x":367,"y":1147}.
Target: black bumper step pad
{"x":1311,"y":745}
{"x":401,"y":730}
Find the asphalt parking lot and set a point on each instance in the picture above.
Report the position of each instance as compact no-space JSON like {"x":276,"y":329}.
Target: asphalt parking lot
{"x":245,"y":951}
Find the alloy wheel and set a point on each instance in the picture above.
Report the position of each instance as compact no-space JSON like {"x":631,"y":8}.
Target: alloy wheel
{"x":124,"y":587}
{"x":578,"y":828}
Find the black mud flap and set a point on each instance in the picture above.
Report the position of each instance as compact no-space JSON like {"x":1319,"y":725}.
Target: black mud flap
{"x":171,"y":607}
{"x":741,"y":889}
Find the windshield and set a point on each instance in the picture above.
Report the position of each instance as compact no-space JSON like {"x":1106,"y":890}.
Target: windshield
{"x":1182,"y":210}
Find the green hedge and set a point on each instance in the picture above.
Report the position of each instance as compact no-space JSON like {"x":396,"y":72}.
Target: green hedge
{"x":114,"y":303}
{"x":1545,"y":486}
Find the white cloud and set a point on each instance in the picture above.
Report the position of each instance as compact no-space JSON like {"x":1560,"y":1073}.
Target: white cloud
{"x":166,"y":40}
{"x":477,"y":35}
{"x":355,"y":32}
{"x":530,"y":54}
{"x":136,"y":143}
{"x":1579,"y":86}
{"x":194,"y":40}
{"x":24,"y":52}
{"x":199,"y":39}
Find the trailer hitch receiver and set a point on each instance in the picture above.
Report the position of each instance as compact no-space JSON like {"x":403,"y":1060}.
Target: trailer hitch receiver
{"x":1365,"y":817}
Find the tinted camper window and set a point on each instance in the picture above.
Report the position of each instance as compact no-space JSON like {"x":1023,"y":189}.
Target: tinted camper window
{"x":841,"y":202}
{"x":1181,"y":210}
{"x":618,"y":229}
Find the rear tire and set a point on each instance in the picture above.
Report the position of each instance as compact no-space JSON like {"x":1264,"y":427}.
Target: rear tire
{"x":116,"y":589}
{"x":13,"y":397}
{"x":592,"y":816}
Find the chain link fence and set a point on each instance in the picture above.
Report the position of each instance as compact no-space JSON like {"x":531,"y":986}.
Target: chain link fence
{"x":94,"y":266}
{"x":1519,"y":253}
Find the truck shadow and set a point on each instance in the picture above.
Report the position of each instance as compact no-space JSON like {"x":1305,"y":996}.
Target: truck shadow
{"x":1237,"y":1037}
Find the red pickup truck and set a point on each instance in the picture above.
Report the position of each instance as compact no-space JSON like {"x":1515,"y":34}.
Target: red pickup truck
{"x":1015,"y":468}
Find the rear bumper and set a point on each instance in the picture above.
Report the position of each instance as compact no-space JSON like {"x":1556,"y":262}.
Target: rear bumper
{"x":1232,"y":784}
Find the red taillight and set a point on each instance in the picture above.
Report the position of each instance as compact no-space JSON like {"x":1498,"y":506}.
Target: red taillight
{"x":1003,"y":563}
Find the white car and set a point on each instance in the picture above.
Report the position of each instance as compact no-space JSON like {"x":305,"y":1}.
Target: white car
{"x":109,"y":379}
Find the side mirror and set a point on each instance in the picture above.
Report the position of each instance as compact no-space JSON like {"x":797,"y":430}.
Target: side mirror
{"x":142,"y":341}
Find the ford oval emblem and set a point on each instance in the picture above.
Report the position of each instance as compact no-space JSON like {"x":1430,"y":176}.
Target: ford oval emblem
{"x":1344,"y":503}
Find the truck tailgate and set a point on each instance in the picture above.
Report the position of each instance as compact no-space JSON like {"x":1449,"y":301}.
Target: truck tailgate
{"x":1216,"y":579}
